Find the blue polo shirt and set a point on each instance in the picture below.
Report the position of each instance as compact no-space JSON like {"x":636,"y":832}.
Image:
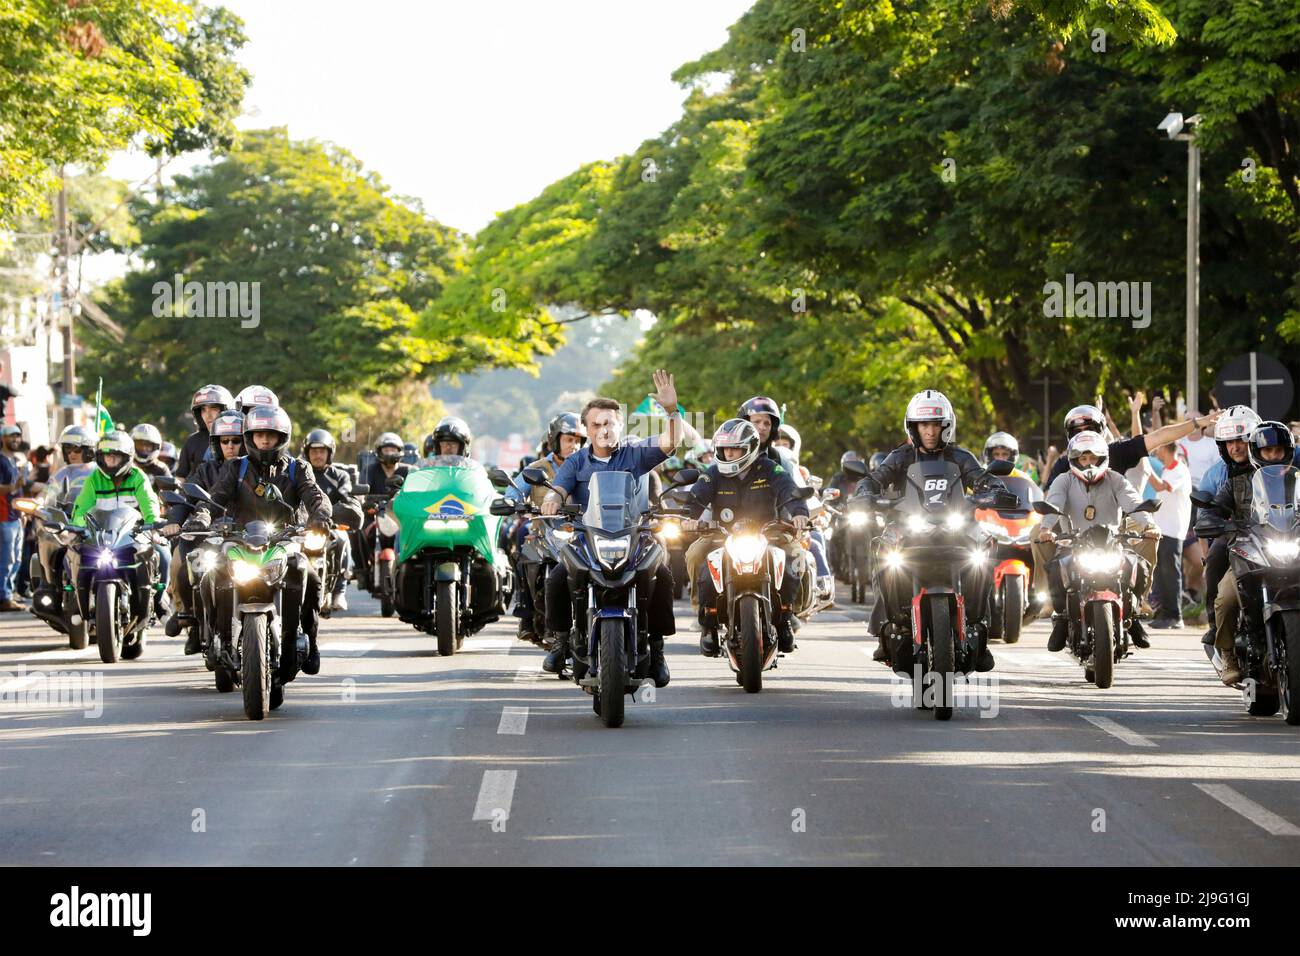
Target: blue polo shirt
{"x":638,"y":457}
{"x":1217,"y":474}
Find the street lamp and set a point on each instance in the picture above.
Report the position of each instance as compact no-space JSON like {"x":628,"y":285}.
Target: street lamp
{"x":1173,"y":126}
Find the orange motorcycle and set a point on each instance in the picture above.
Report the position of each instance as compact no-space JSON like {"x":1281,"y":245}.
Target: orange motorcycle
{"x":1014,"y":601}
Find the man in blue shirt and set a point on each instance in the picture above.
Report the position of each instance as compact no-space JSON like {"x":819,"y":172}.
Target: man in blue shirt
{"x":607,"y":450}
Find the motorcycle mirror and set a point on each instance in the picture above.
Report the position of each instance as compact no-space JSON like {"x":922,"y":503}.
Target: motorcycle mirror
{"x":501,"y":507}
{"x":164,"y":481}
{"x":856,"y":469}
{"x":1150,"y":506}
{"x":498,"y":478}
{"x":1202,"y":499}
{"x":197,"y":492}
{"x":686,"y":476}
{"x":174,"y":498}
{"x":534,"y":477}
{"x":804,"y":493}
{"x":1001,"y":467}
{"x":395,"y":482}
{"x":1046,"y":508}
{"x":360,"y":489}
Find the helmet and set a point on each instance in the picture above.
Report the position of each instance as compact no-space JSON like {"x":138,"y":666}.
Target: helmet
{"x":450,"y":428}
{"x":1084,"y":418}
{"x":1267,"y":435}
{"x":80,"y":437}
{"x":409,"y":453}
{"x":115,"y":441}
{"x":255,"y":395}
{"x":167,"y":453}
{"x":229,"y":424}
{"x":762,"y":405}
{"x":877,"y":460}
{"x":150,"y":436}
{"x":565,"y":423}
{"x":319,"y":436}
{"x":267,"y":418}
{"x":849,"y":456}
{"x":389,"y":440}
{"x":930,"y":406}
{"x":790,"y":434}
{"x":1095,"y":443}
{"x":1237,"y":423}
{"x":735,"y":433}
{"x":1001,"y":440}
{"x":210,"y":395}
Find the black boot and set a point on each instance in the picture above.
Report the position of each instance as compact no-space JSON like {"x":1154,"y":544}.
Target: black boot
{"x":1138,"y":634}
{"x":1060,"y":631}
{"x":312,"y":664}
{"x":785,"y":634}
{"x":658,"y":667}
{"x":984,"y":662}
{"x":193,"y":642}
{"x":555,"y":660}
{"x":174,"y":624}
{"x":708,"y":641}
{"x":881,"y":653}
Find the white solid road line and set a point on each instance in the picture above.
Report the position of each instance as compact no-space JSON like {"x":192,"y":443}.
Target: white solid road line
{"x":514,"y":720}
{"x":495,"y":795}
{"x":1252,"y":811}
{"x":1118,"y":730}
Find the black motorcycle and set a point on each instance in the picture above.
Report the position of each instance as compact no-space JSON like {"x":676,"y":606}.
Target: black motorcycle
{"x":1265,"y":559}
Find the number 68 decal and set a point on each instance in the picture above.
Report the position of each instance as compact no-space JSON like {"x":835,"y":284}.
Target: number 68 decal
{"x":936,"y":484}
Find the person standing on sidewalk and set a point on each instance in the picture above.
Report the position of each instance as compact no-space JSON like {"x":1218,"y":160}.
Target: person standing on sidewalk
{"x":11,"y":525}
{"x":1173,"y":488}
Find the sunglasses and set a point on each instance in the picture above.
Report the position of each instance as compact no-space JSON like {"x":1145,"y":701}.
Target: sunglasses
{"x":232,"y":441}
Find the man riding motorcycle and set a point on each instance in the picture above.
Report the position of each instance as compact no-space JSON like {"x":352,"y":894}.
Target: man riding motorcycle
{"x":564,"y":435}
{"x":208,"y":402}
{"x":1269,"y":443}
{"x":1002,"y":446}
{"x":931,"y":427}
{"x":258,"y":486}
{"x":608,"y":451}
{"x":226,"y":438}
{"x":167,"y":455}
{"x":1092,"y":493}
{"x":741,"y":485}
{"x":148,"y":444}
{"x":451,"y":436}
{"x":77,"y":446}
{"x":318,"y":449}
{"x":252,"y":396}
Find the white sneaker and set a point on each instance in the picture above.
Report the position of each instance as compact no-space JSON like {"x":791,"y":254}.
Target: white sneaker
{"x":339,"y":602}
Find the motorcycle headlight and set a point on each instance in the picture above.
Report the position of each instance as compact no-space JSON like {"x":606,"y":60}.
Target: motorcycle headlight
{"x":314,"y":541}
{"x":1282,"y":550}
{"x":977,"y":557}
{"x":858,"y":519}
{"x":918,"y":525}
{"x":1100,"y":562}
{"x":451,"y":524}
{"x":106,"y":559}
{"x":388,"y":525}
{"x":746,"y":548}
{"x":893,"y":559}
{"x":612,"y":551}
{"x":670,"y":530}
{"x":955,"y":521}
{"x":204,"y":561}
{"x":244,"y":571}
{"x":274,"y":569}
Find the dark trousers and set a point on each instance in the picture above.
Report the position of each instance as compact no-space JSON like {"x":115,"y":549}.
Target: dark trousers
{"x":658,"y":604}
{"x":1168,"y":581}
{"x":1216,"y":566}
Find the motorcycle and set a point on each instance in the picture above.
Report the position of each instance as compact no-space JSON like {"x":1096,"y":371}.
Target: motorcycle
{"x":251,"y":618}
{"x":611,"y":554}
{"x":111,"y":567}
{"x":1015,"y":603}
{"x":55,"y":602}
{"x":856,"y":526}
{"x":378,"y":561}
{"x":1265,"y":559}
{"x":933,"y":567}
{"x":1101,"y":578}
{"x":450,"y":578}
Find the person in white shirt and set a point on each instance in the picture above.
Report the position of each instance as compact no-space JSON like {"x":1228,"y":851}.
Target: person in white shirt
{"x":1200,"y":450}
{"x":1174,"y":491}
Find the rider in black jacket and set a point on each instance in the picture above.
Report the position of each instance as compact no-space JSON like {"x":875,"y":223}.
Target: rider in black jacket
{"x":208,"y":402}
{"x":318,"y":449}
{"x":258,"y":486}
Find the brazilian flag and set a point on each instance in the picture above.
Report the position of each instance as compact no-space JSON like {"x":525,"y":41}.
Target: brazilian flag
{"x":103,"y":421}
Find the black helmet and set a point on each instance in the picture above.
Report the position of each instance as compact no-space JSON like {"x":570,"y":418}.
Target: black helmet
{"x":319,"y":436}
{"x":450,"y":428}
{"x":210,"y":395}
{"x":1267,"y":435}
{"x":877,"y":460}
{"x":849,"y":456}
{"x":565,"y":423}
{"x":115,"y":441}
{"x":229,"y":424}
{"x":762,"y":405}
{"x":389,"y":440}
{"x":267,"y":418}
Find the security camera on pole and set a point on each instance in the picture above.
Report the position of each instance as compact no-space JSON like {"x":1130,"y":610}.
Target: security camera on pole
{"x":1173,"y":126}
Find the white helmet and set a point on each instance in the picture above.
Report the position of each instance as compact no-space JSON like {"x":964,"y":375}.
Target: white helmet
{"x":1088,"y":441}
{"x":930,"y":406}
{"x":1236,"y":425}
{"x":790,"y":434}
{"x":255,"y":395}
{"x":1001,"y":440}
{"x":735,"y":433}
{"x":149,"y":435}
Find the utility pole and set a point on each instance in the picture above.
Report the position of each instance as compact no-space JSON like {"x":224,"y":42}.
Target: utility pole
{"x":1193,"y":268}
{"x":64,"y":245}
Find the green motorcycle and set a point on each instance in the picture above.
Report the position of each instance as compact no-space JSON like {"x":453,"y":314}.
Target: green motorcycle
{"x":451,"y":578}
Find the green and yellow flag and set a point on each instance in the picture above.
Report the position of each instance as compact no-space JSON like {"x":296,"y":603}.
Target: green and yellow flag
{"x":103,"y":421}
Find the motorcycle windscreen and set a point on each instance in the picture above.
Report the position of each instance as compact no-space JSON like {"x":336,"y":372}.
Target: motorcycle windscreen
{"x":1273,"y":493}
{"x":114,"y":521}
{"x":446,"y":505}
{"x":1024,"y":489}
{"x":615,"y":501}
{"x":932,"y":486}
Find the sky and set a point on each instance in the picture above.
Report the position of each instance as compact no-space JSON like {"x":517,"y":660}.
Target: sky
{"x":473,"y":107}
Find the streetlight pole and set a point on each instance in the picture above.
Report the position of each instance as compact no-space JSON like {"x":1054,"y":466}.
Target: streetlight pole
{"x":1174,"y":125}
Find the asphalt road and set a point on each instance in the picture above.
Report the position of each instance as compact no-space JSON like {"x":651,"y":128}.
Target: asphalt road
{"x":395,"y":756}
